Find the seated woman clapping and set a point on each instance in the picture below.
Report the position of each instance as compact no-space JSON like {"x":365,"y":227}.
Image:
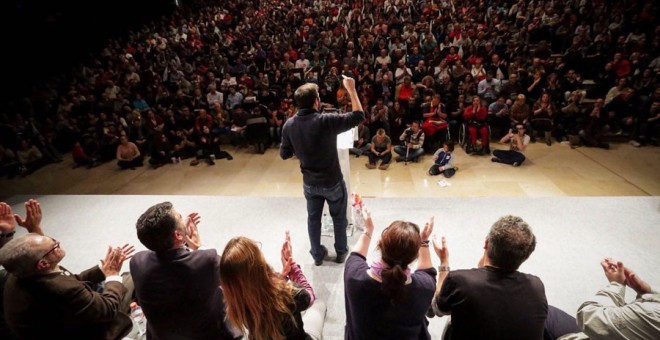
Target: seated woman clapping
{"x":266,"y":304}
{"x":387,"y":299}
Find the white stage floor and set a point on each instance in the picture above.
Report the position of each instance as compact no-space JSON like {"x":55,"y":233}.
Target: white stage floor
{"x":573,"y":235}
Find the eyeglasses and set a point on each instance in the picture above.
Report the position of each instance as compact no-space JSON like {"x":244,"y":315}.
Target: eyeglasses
{"x":55,"y":246}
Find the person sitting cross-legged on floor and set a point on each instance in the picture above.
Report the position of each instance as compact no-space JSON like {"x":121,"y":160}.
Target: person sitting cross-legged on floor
{"x":413,"y":140}
{"x":443,"y":161}
{"x":128,"y":154}
{"x":518,"y":144}
{"x":381,"y":149}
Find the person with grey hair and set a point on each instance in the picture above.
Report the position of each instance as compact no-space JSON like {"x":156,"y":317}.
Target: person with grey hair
{"x":8,"y":223}
{"x":495,"y":300}
{"x":177,"y":283}
{"x":42,"y":296}
{"x":312,"y":137}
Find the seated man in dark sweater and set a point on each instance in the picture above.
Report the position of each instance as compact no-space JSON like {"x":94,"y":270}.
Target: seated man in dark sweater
{"x":495,"y":300}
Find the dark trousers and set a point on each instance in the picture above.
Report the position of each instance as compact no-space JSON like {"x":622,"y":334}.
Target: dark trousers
{"x":337,"y":199}
{"x":509,"y":156}
{"x":131,"y":164}
{"x":559,"y":323}
{"x":386,"y":158}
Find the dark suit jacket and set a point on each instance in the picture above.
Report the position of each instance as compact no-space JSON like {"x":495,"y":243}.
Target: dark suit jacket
{"x":65,"y":306}
{"x":179,"y":292}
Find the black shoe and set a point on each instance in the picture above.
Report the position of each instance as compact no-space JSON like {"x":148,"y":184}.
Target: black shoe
{"x":229,"y":157}
{"x":211,"y":162}
{"x":319,"y":262}
{"x":487,"y":150}
{"x":341,"y":257}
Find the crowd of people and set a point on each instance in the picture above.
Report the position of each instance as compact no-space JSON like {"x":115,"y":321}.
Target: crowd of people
{"x":210,"y":73}
{"x":235,"y":293}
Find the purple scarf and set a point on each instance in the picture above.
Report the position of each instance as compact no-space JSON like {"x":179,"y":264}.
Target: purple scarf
{"x":378,"y":266}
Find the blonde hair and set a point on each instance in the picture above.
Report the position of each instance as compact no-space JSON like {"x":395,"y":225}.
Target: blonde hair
{"x":380,"y":132}
{"x":256,"y":298}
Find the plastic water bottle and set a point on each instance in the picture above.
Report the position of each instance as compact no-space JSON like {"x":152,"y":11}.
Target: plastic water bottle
{"x":139,"y":321}
{"x":327,"y":225}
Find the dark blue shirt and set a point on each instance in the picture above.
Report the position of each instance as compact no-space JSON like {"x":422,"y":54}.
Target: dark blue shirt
{"x":312,"y":137}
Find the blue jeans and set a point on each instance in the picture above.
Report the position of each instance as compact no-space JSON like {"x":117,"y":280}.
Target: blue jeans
{"x":337,"y":199}
{"x":413,"y":154}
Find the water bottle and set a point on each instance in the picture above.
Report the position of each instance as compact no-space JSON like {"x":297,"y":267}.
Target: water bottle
{"x":139,"y":321}
{"x":327,"y":225}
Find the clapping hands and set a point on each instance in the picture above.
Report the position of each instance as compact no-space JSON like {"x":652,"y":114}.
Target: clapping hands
{"x":287,"y":256}
{"x":613,"y":271}
{"x":192,"y":233}
{"x":32,"y":221}
{"x":617,"y":272}
{"x":114,"y":259}
{"x":7,"y":220}
{"x":440,"y":249}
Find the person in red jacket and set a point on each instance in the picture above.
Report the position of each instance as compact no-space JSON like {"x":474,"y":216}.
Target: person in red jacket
{"x":475,"y":115}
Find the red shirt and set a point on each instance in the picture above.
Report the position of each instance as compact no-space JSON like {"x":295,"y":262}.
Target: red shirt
{"x":480,"y":115}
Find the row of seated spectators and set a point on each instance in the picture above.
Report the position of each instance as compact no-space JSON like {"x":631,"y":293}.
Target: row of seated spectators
{"x":241,"y":63}
{"x":188,"y":291}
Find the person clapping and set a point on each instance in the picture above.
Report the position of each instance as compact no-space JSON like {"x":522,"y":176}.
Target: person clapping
{"x":387,"y":299}
{"x":267,"y":304}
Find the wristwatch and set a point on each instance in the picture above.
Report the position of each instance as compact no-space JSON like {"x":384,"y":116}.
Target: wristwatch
{"x":443,"y":268}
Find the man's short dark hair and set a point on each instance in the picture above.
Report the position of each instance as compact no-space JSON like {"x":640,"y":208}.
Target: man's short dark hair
{"x":156,"y":226}
{"x":510,"y":242}
{"x":306,"y":95}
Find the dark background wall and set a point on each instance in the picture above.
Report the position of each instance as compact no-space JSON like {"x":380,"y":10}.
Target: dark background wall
{"x":43,"y":38}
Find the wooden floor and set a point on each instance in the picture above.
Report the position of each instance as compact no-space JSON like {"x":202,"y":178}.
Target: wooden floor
{"x":557,"y":170}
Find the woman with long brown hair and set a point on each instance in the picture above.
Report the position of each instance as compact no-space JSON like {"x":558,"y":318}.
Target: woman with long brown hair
{"x":388,"y":299}
{"x":263,"y":303}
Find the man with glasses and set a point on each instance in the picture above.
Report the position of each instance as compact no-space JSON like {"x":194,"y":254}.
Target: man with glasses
{"x":41,"y":297}
{"x":177,"y":283}
{"x":8,"y":222}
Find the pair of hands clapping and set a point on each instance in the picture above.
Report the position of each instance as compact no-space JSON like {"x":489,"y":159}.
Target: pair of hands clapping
{"x":114,"y":259}
{"x":32,"y":221}
{"x":287,"y":256}
{"x":440,"y":249}
{"x":618,"y":272}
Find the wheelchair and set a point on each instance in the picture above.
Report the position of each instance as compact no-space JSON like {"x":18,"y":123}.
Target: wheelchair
{"x":464,"y":139}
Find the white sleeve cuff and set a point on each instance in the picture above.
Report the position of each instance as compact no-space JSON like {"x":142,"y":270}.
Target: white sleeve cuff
{"x":115,"y":278}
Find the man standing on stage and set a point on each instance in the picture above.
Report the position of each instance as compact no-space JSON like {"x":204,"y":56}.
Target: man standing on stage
{"x":312,"y":137}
